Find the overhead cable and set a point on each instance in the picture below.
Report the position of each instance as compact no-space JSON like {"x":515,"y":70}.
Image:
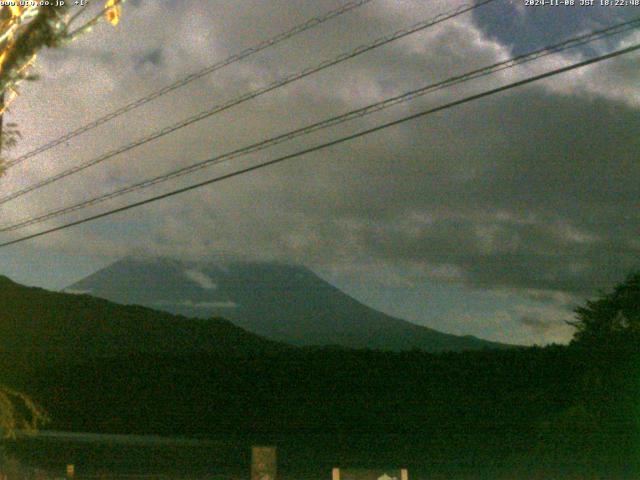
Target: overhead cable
{"x":309,"y":24}
{"x":336,"y":120}
{"x":323,"y":146}
{"x":241,"y":99}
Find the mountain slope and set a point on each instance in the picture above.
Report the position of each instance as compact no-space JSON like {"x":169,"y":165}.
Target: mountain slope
{"x":37,"y":321}
{"x":286,"y":303}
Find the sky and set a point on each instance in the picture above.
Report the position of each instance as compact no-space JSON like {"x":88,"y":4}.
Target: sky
{"x":494,"y":218}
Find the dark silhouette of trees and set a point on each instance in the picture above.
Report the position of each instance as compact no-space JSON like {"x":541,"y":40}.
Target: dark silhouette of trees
{"x":533,"y":412}
{"x":613,"y":320}
{"x":607,"y":338}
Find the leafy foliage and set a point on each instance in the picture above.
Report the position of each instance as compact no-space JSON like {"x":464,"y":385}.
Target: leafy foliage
{"x":18,"y":412}
{"x":25,"y":29}
{"x":613,"y":319}
{"x":8,"y":140}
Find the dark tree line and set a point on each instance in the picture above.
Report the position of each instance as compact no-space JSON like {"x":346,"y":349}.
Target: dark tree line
{"x":557,"y":410}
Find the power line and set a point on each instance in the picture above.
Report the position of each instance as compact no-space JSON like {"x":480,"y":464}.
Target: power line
{"x":245,"y":97}
{"x":323,"y":146}
{"x":358,"y":113}
{"x":309,"y":24}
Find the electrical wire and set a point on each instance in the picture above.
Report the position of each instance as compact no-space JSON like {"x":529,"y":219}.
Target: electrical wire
{"x":243,"y":98}
{"x":309,"y":24}
{"x":323,"y":146}
{"x":336,"y":120}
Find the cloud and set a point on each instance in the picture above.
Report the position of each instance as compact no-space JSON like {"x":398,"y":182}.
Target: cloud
{"x":548,"y":322}
{"x":536,"y":324}
{"x":524,"y":27}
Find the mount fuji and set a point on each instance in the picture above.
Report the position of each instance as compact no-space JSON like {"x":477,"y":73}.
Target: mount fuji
{"x":282,"y":302}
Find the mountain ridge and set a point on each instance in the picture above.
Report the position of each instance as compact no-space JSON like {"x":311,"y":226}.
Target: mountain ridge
{"x":37,"y":321}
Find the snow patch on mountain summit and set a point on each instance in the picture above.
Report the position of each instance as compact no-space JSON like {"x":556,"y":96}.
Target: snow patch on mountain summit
{"x":201,"y":279}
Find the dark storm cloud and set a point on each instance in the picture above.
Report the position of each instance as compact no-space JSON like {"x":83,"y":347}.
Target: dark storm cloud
{"x":549,"y":199}
{"x":492,"y":254}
